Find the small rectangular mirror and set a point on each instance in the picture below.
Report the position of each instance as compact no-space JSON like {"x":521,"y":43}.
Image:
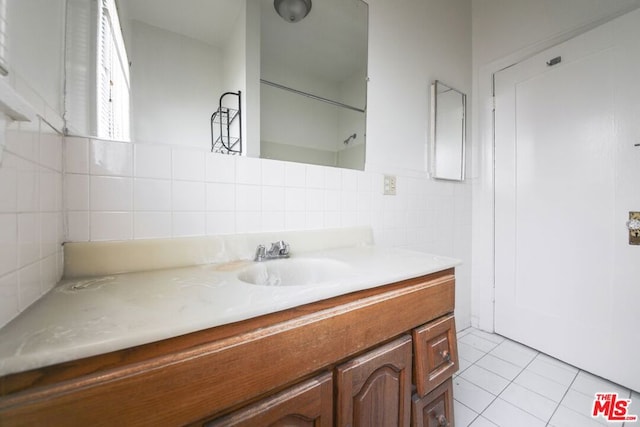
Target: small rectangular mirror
{"x":448,"y":110}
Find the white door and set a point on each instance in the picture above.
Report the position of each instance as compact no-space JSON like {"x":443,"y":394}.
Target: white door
{"x":567,"y":174}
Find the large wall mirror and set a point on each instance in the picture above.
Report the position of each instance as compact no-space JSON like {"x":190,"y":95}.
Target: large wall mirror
{"x":175,"y":58}
{"x":448,"y":129}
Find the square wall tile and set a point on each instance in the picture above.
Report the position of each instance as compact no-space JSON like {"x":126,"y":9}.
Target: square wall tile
{"x":78,"y":226}
{"x":111,"y":193}
{"x":49,"y":275}
{"x":188,"y":196}
{"x":315,"y":176}
{"x":50,"y":190}
{"x":76,"y":155}
{"x":111,"y":158}
{"x":28,"y":238}
{"x":111,"y":226}
{"x":295,"y":220}
{"x":248,"y":222}
{"x":221,"y":223}
{"x":28,"y":195}
{"x":314,"y":199}
{"x":51,"y":151}
{"x":273,"y":221}
{"x":220,"y":168}
{"x":29,"y":285}
{"x":188,"y":224}
{"x":221,"y":196}
{"x":151,"y":195}
{"x":8,"y":187}
{"x":49,"y":240}
{"x":151,"y":225}
{"x":77,"y":192}
{"x":332,"y":179}
{"x":188,"y":165}
{"x":152,"y":161}
{"x":248,"y":170}
{"x":294,"y":199}
{"x":295,"y":174}
{"x":248,"y":198}
{"x":273,"y":199}
{"x":272,"y":172}
{"x":8,"y":298}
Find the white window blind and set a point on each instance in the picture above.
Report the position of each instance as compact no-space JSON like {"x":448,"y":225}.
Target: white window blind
{"x":113,"y":86}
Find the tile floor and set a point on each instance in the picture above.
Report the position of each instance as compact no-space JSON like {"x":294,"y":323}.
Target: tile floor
{"x":504,"y":383}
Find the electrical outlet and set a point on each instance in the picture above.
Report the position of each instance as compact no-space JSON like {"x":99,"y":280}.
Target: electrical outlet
{"x":389,"y":185}
{"x":634,"y":231}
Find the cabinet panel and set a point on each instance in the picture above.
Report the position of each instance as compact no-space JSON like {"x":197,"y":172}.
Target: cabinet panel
{"x":375,"y":389}
{"x":309,"y":404}
{"x":436,"y":353}
{"x":435,"y":409}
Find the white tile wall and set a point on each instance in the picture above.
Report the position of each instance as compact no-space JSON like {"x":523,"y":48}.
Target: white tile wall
{"x":31,"y":215}
{"x":205,"y":193}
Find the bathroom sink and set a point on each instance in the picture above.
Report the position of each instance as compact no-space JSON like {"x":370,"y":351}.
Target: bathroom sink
{"x":294,"y":272}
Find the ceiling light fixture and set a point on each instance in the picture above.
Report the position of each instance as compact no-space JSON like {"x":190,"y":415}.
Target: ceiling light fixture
{"x":292,"y":10}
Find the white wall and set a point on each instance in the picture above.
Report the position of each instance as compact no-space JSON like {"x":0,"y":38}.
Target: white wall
{"x":505,"y":32}
{"x":35,"y":30}
{"x":411,"y":43}
{"x":175,"y":85}
{"x":31,"y":218}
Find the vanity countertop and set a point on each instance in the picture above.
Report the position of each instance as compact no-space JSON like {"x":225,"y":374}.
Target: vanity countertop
{"x":83,"y":317}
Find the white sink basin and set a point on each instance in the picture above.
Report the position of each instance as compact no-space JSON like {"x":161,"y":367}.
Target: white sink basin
{"x":294,"y":272}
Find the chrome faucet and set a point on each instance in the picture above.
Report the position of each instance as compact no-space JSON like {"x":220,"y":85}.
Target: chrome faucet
{"x":278,"y":249}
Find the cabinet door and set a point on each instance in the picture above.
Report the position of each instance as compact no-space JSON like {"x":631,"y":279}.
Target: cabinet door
{"x":435,"y":409}
{"x":375,"y":389}
{"x":436,"y":353}
{"x":309,"y":404}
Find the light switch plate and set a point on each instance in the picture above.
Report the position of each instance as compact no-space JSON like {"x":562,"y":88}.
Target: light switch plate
{"x":389,"y":185}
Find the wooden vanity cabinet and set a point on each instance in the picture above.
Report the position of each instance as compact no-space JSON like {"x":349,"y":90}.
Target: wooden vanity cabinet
{"x":347,"y":360}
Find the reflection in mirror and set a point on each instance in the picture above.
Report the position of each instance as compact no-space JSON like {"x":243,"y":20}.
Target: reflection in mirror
{"x":176,"y":59}
{"x":447,"y":132}
{"x":314,"y":83}
{"x":173,"y":61}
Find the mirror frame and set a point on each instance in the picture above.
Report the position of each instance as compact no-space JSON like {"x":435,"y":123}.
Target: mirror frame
{"x":461,"y":165}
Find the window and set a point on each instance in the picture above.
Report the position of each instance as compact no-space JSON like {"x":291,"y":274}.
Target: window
{"x":113,"y":84}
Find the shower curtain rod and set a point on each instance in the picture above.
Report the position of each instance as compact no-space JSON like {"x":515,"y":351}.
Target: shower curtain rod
{"x":310,"y":95}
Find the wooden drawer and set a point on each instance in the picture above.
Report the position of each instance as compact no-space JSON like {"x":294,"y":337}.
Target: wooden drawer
{"x":309,"y":404}
{"x":435,"y":409}
{"x":435,"y":353}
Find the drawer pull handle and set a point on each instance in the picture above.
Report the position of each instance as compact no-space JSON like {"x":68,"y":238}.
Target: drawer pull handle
{"x":440,"y":419}
{"x":446,"y":355}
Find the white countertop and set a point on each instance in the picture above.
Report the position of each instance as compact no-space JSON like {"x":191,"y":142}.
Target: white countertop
{"x":86,"y":317}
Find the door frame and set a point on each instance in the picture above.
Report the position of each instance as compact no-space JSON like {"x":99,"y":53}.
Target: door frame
{"x":483,"y":173}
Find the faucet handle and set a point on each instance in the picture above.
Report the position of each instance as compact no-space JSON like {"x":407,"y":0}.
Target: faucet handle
{"x":284,"y":248}
{"x":261,"y":253}
{"x":280,"y":248}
